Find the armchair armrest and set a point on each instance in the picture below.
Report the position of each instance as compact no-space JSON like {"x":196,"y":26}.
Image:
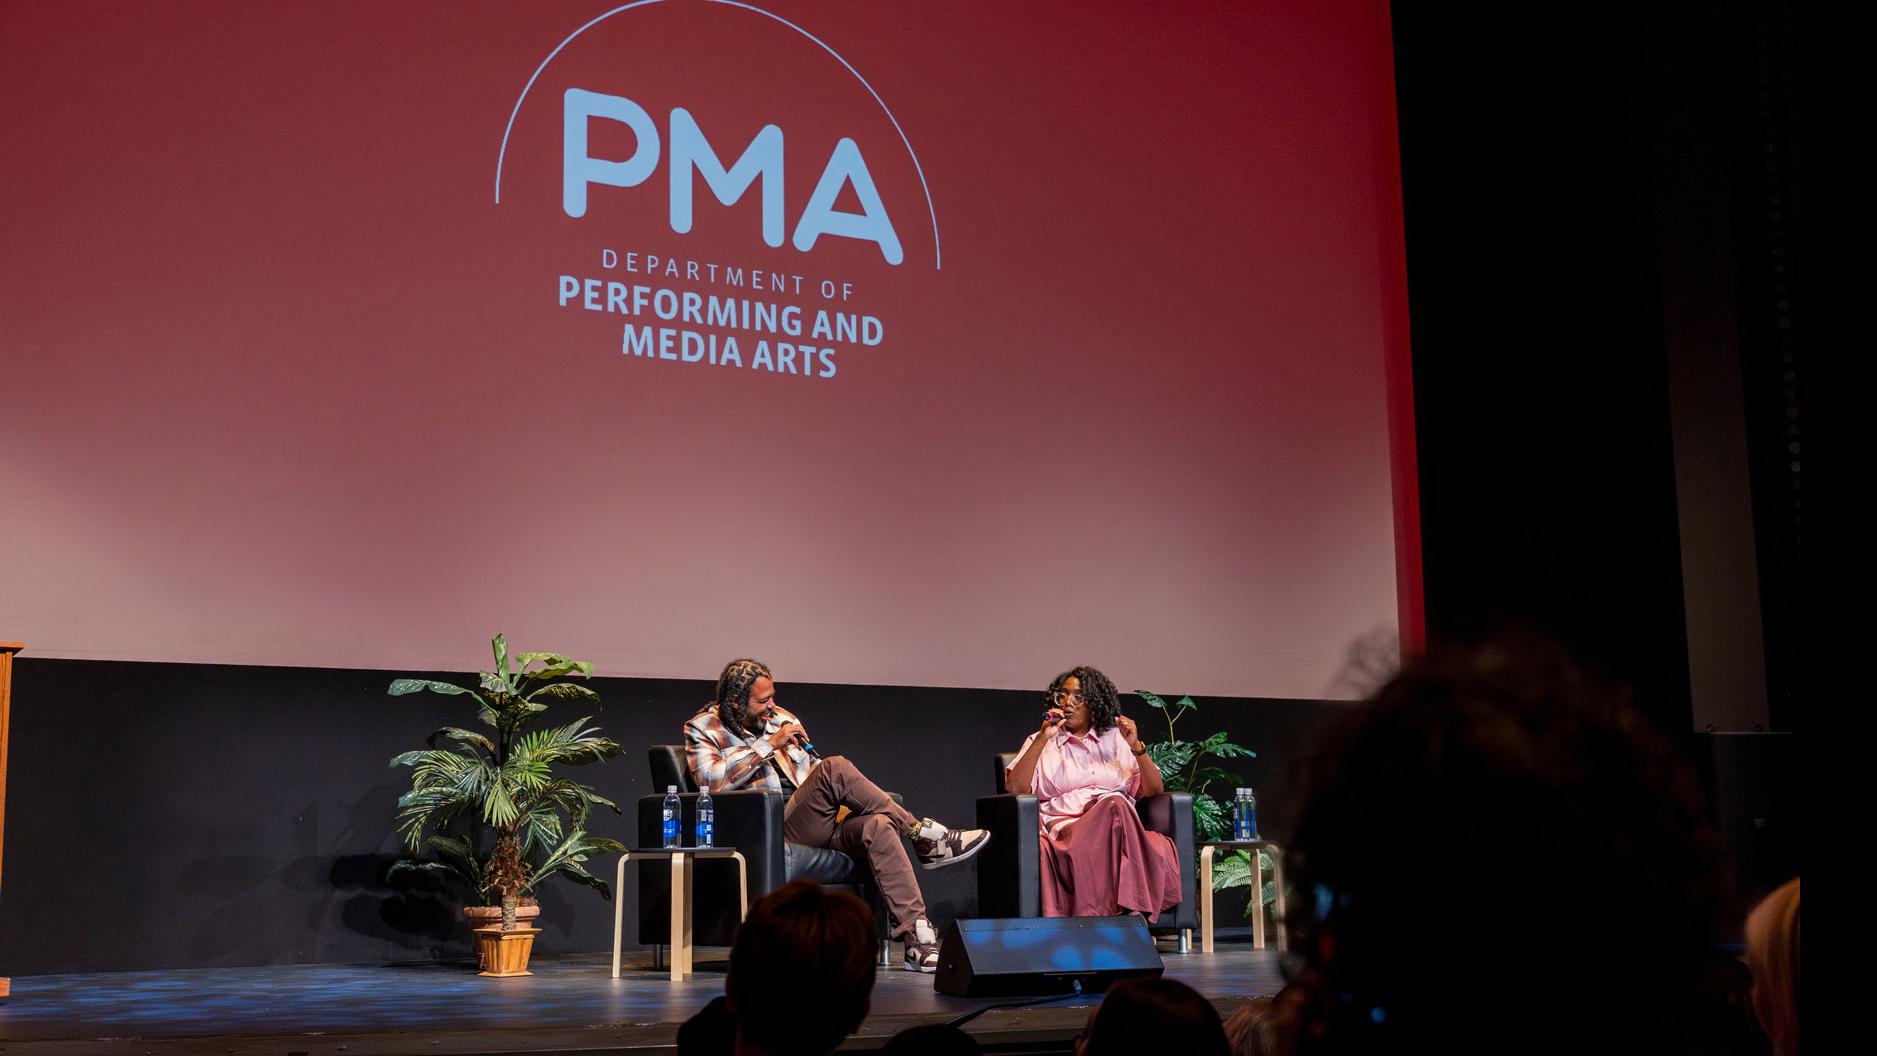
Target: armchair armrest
{"x":1010,"y":865}
{"x":749,"y":820}
{"x":1171,"y":815}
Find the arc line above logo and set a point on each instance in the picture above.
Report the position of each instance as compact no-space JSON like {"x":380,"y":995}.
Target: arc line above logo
{"x":508,"y":130}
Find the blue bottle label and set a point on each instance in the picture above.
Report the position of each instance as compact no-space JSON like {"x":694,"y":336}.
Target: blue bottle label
{"x":671,"y":832}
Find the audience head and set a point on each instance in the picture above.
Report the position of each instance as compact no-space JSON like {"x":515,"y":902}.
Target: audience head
{"x":1153,"y":1015}
{"x":1252,"y":1030}
{"x":711,"y":1032}
{"x":1492,"y":838}
{"x":1097,"y":693}
{"x":801,"y":971}
{"x":933,"y":1039}
{"x":1773,"y":957}
{"x":733,"y":693}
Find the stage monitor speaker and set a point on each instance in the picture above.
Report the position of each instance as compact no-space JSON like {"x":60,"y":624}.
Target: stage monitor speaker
{"x":1043,"y":955}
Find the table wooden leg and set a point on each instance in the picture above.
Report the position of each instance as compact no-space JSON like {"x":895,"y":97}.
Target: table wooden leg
{"x":742,"y":885}
{"x":1257,"y":899}
{"x":690,"y":913}
{"x":619,"y":911}
{"x":1205,"y":900}
{"x":1277,"y":905}
{"x":679,"y":938}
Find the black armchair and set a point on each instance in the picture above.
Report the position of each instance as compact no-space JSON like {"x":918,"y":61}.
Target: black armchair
{"x":1010,"y":866}
{"x":750,"y":821}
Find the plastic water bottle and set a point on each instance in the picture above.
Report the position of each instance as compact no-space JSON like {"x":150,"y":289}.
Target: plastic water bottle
{"x":671,"y":815}
{"x":706,"y":819}
{"x":1251,"y":815}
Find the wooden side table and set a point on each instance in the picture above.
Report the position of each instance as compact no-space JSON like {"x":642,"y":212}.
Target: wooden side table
{"x":682,"y":868}
{"x":1258,"y":849}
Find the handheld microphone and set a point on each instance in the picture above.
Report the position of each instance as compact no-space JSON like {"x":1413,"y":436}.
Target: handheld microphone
{"x":801,"y":738}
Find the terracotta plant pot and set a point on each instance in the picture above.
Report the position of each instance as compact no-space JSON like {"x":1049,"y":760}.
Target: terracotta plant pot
{"x":482,"y":918}
{"x":504,"y":953}
{"x":486,"y":916}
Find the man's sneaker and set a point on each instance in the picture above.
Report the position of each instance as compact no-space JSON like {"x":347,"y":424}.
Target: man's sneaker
{"x":937,"y":845}
{"x":922,"y":948}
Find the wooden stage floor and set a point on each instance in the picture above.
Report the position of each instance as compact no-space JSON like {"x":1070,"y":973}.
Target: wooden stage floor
{"x":570,"y":1005}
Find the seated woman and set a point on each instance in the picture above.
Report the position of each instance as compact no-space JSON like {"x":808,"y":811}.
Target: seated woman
{"x":1087,"y":766}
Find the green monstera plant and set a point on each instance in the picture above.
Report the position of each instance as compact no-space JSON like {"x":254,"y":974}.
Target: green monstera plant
{"x":1194,"y":767}
{"x":468,"y":786}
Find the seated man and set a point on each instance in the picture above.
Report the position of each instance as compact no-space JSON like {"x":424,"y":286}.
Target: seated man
{"x":743,"y":740}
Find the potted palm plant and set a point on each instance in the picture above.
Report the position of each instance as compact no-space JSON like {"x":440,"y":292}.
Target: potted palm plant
{"x":490,"y":805}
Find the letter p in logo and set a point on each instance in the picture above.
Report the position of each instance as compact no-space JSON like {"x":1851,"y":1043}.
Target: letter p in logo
{"x":578,"y":170}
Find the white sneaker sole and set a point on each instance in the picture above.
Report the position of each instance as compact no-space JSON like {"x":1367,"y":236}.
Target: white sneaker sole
{"x":943,"y":862}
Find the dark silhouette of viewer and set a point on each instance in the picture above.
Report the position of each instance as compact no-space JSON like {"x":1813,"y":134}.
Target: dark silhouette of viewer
{"x":1501,"y":855}
{"x":711,"y":1032}
{"x":1141,"y":1016}
{"x":801,"y":977}
{"x":933,"y":1039}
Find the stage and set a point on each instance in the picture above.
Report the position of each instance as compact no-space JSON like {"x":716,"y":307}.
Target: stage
{"x":570,"y":1005}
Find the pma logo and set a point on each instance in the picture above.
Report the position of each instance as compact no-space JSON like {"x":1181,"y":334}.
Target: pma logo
{"x":604,"y":105}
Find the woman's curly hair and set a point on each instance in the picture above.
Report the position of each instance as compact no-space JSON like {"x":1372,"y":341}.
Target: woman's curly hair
{"x":733,"y":691}
{"x":1104,"y":704}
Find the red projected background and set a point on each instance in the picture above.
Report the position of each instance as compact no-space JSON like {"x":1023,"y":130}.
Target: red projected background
{"x":934,"y":344}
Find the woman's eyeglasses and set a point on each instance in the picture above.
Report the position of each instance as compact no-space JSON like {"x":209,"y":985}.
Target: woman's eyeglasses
{"x":1063,"y":696}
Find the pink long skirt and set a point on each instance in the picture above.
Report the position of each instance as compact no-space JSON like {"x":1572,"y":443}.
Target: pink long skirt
{"x":1106,"y":863}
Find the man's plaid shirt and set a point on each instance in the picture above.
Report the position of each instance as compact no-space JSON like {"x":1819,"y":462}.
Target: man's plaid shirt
{"x":720,"y":760}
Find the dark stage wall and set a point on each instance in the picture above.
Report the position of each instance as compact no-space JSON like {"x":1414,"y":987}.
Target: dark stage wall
{"x":176,"y":815}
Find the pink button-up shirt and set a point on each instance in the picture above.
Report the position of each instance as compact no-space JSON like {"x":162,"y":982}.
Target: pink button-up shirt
{"x":1073,"y":772}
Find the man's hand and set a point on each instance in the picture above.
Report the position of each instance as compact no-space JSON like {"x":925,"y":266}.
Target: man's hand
{"x":1130,"y":733}
{"x":789,"y":732}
